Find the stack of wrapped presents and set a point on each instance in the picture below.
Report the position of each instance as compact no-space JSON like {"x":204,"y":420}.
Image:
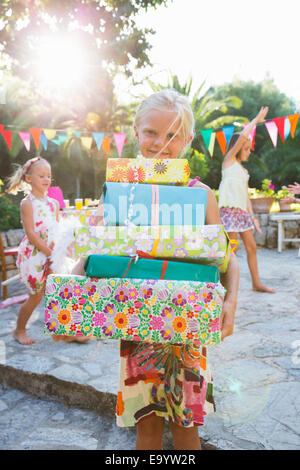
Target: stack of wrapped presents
{"x":152,"y":271}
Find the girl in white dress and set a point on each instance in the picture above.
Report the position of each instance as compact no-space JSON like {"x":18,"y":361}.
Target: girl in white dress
{"x":234,"y":203}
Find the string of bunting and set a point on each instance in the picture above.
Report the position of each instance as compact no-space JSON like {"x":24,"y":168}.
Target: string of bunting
{"x":41,"y":137}
{"x":284,"y":126}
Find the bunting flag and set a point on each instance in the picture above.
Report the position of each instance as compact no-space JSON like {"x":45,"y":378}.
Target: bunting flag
{"x":287,"y":128}
{"x":77,"y":134}
{"x":86,"y":142}
{"x":212,"y":143}
{"x":98,"y":137}
{"x":44,"y":141}
{"x":36,"y":134}
{"x":228,"y":131}
{"x":222,"y":141}
{"x":119,"y":141}
{"x":25,"y":137}
{"x":293,"y":118}
{"x":273,"y":131}
{"x":60,"y":139}
{"x":7,"y":137}
{"x":50,"y":133}
{"x":280,"y":126}
{"x":106,"y":144}
{"x":206,"y":134}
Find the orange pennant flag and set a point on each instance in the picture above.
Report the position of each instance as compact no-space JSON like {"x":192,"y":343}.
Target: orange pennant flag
{"x":222,"y":141}
{"x":106,"y":144}
{"x":36,"y":134}
{"x":293,"y":118}
{"x":7,"y":137}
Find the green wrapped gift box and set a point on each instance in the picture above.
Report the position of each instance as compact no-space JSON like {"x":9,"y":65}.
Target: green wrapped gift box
{"x":159,"y":311}
{"x":207,"y":244}
{"x":140,"y":268}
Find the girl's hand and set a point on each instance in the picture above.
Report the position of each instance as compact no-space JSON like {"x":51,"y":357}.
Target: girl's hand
{"x":257,"y":225}
{"x":262,"y":114}
{"x":293,"y":188}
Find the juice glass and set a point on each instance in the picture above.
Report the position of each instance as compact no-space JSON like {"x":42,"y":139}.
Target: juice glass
{"x":78,"y":204}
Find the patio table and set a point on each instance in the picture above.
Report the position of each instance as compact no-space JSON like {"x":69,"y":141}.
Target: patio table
{"x":280,"y":218}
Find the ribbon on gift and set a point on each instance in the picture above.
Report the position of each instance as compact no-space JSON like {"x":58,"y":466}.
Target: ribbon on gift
{"x":142,"y":254}
{"x":233,"y":245}
{"x":155,"y":205}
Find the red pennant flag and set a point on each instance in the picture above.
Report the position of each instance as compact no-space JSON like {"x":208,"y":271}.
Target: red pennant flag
{"x":7,"y":137}
{"x":280,"y":126}
{"x":293,"y":118}
{"x":222,"y":141}
{"x":36,"y":134}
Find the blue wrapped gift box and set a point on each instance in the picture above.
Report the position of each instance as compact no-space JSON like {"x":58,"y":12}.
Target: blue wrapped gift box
{"x":145,"y":204}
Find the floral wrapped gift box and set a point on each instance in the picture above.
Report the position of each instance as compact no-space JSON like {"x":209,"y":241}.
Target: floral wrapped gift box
{"x":208,"y":244}
{"x":157,"y":311}
{"x":148,"y":170}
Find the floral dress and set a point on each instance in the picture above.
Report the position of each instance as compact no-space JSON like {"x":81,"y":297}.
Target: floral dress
{"x":166,"y":380}
{"x":32,"y":263}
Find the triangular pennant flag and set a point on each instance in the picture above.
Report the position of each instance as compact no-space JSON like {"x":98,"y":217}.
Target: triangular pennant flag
{"x":50,"y":133}
{"x":77,"y":133}
{"x":98,"y":136}
{"x":293,"y":118}
{"x":7,"y":137}
{"x":280,"y":126}
{"x":60,"y":139}
{"x":212,"y":144}
{"x":86,"y":142}
{"x":273,"y":131}
{"x":25,"y":137}
{"x":1,"y":127}
{"x":228,"y":131}
{"x":106,"y":144}
{"x":36,"y":134}
{"x":119,"y":141}
{"x":287,"y":128}
{"x":252,"y":134}
{"x":44,"y":141}
{"x":206,"y":134}
{"x":222,"y":141}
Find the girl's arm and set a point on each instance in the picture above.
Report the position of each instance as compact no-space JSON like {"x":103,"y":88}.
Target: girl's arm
{"x":230,"y":157}
{"x":28,"y":224}
{"x":230,"y":279}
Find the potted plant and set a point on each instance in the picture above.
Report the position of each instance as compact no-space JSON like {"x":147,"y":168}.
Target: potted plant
{"x":262,"y":199}
{"x":285,"y":198}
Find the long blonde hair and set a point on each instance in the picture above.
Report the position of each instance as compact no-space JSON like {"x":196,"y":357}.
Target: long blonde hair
{"x":171,"y":100}
{"x":17,"y":181}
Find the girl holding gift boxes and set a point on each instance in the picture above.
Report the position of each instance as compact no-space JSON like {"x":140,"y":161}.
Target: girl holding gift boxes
{"x":159,"y":382}
{"x":234,"y":203}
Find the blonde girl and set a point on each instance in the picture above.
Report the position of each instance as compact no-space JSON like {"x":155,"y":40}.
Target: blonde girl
{"x":234,"y":203}
{"x":181,"y":391}
{"x":39,"y":214}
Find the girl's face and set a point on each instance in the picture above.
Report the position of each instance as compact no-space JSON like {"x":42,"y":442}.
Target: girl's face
{"x":245,"y":151}
{"x":39,"y":178}
{"x":154,"y":133}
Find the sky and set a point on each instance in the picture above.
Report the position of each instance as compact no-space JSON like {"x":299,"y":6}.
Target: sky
{"x":219,"y":40}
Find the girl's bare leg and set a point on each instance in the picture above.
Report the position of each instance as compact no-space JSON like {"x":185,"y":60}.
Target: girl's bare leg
{"x":251,"y":249}
{"x":150,"y":433}
{"x":25,"y":313}
{"x":185,"y":438}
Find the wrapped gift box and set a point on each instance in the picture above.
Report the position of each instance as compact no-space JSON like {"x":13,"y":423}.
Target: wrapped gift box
{"x":148,"y":170}
{"x":158,"y":311}
{"x":145,"y":268}
{"x":208,"y":244}
{"x":145,"y":204}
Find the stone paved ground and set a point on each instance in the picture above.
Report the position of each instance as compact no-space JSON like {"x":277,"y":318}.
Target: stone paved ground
{"x":58,"y":395}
